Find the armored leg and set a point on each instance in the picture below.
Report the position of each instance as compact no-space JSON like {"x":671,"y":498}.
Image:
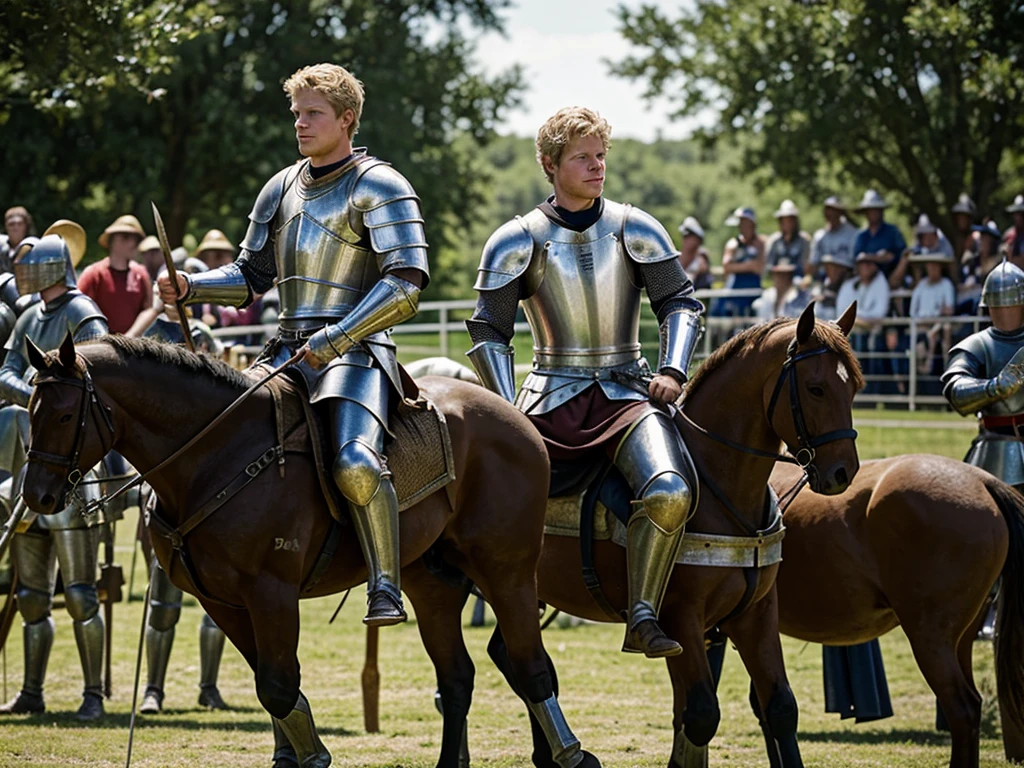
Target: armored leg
{"x":164,"y":612}
{"x":76,"y":553}
{"x":35,"y":559}
{"x":651,"y":458}
{"x":301,"y":732}
{"x":211,"y":648}
{"x":361,"y":473}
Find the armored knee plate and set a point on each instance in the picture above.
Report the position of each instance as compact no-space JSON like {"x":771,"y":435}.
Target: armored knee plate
{"x":666,"y":502}
{"x":358,"y":469}
{"x":82,"y":601}
{"x":34,"y":605}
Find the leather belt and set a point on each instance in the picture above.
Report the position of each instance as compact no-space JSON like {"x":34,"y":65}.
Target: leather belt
{"x":996,"y":422}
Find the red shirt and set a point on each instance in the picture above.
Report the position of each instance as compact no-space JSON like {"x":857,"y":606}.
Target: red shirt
{"x":120,"y":294}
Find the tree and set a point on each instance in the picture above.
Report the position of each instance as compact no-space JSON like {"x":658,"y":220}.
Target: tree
{"x":922,"y":97}
{"x":201,"y":133}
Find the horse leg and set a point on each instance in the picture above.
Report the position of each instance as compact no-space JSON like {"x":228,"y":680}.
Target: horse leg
{"x":937,"y":657}
{"x":755,"y":633}
{"x":276,"y":630}
{"x":696,"y":715}
{"x":439,"y":618}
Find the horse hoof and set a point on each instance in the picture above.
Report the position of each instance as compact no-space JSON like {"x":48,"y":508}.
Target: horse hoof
{"x":589,"y":761}
{"x":285,"y":757}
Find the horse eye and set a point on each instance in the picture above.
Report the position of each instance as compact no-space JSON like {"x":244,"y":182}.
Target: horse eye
{"x":65,"y":418}
{"x":815,"y":390}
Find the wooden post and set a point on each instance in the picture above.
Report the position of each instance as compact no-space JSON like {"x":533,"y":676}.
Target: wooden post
{"x":371,"y":682}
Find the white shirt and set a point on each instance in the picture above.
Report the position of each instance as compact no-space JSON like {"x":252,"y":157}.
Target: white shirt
{"x":793,"y":303}
{"x":872,"y":299}
{"x":928,"y":299}
{"x":837,"y":242}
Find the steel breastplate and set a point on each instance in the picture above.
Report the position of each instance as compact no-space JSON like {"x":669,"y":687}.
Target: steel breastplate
{"x":324,"y":262}
{"x":585,"y":311}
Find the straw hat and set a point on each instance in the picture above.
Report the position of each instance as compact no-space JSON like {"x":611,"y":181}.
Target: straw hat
{"x":788,"y":208}
{"x":215,"y":240}
{"x":934,"y":256}
{"x":127,"y":225}
{"x":691,"y":226}
{"x":1017,"y":206}
{"x":871,"y":199}
{"x":149,"y":243}
{"x":73,"y":235}
{"x":741,"y":213}
{"x":964,"y":204}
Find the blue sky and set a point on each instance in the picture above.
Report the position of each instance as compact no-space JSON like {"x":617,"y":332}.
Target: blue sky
{"x":562,"y":43}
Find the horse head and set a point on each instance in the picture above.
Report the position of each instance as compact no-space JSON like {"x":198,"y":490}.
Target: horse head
{"x":809,"y":405}
{"x":71,"y":428}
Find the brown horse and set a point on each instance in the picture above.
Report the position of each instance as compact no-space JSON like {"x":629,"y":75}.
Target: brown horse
{"x":916,"y":541}
{"x":809,"y":367}
{"x":146,"y":400}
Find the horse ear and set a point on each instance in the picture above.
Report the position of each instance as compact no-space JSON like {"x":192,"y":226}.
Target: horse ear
{"x":845,"y":322}
{"x":805,"y":324}
{"x":67,"y":351}
{"x":36,"y":357}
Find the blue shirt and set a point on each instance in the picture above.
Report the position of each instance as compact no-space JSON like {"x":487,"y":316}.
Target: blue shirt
{"x":887,"y":238}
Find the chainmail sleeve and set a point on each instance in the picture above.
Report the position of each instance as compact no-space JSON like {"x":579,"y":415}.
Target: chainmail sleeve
{"x":668,"y":288}
{"x":495,"y":316}
{"x":259,"y":268}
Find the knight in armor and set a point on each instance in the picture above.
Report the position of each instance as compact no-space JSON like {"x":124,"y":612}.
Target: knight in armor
{"x":578,"y":263}
{"x":342,"y":235}
{"x":69,"y":538}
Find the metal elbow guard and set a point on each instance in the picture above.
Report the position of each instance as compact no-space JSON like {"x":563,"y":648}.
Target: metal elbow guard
{"x":390,"y":302}
{"x":680,"y":332}
{"x":494,"y":365}
{"x":968,"y":395}
{"x":226,"y":285}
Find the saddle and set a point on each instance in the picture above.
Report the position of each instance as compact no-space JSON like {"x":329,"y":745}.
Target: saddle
{"x":420,"y":455}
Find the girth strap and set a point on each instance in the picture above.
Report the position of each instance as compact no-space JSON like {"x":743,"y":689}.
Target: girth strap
{"x":590,"y":578}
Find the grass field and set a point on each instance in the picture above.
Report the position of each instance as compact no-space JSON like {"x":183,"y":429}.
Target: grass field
{"x":619,"y":705}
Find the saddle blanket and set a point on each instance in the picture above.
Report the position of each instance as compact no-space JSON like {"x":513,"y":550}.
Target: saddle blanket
{"x":419,"y":457}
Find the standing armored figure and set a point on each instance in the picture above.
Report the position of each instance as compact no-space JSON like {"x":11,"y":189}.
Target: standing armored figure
{"x":342,"y":235}
{"x":69,"y":538}
{"x":578,"y":263}
{"x":985,"y":376}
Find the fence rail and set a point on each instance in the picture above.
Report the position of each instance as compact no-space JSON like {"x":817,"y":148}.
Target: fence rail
{"x":894,"y":368}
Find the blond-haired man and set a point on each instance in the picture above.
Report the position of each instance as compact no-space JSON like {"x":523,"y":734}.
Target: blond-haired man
{"x":577,"y":262}
{"x":342,"y":235}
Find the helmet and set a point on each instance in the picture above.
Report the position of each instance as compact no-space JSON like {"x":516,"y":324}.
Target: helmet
{"x":1004,"y":287}
{"x":43,"y":262}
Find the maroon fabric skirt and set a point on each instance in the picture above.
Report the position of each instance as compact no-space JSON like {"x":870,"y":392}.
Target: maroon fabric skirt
{"x":588,"y":423}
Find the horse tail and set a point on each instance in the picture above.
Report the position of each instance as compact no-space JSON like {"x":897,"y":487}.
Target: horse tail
{"x":1010,"y":629}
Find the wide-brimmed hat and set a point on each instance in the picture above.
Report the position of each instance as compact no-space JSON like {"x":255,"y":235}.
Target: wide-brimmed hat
{"x":924,"y":226}
{"x":833,"y":201}
{"x":1017,"y":206}
{"x":215,"y":240}
{"x":936,"y":256}
{"x":126,"y":225}
{"x":870,"y":258}
{"x":149,"y":243}
{"x":871,"y":199}
{"x":843,"y":261}
{"x":964,"y":204}
{"x":989,"y":228}
{"x":691,"y":226}
{"x":741,"y":213}
{"x":788,"y":208}
{"x":74,"y":237}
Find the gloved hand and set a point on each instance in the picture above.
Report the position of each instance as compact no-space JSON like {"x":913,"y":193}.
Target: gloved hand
{"x":1008,"y":381}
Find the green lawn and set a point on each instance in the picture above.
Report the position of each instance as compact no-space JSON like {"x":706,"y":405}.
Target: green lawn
{"x":618,"y":704}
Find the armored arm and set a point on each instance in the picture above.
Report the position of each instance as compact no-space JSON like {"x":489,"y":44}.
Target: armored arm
{"x":225,"y":285}
{"x":968,"y":392}
{"x":13,"y":387}
{"x":669,"y":289}
{"x":506,"y":257}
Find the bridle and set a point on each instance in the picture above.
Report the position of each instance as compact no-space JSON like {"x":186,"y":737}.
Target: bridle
{"x":807,"y":445}
{"x":90,"y":404}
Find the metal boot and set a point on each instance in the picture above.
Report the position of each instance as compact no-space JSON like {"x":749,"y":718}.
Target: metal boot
{"x":377,"y":527}
{"x":38,"y":640}
{"x":301,"y":732}
{"x":211,"y":648}
{"x":650,"y":557}
{"x":158,"y":653}
{"x":89,"y":637}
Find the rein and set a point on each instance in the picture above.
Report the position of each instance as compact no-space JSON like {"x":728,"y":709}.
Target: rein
{"x":90,"y":402}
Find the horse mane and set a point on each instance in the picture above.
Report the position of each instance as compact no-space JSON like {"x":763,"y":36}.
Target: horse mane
{"x":177,"y":356}
{"x":825,"y":334}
